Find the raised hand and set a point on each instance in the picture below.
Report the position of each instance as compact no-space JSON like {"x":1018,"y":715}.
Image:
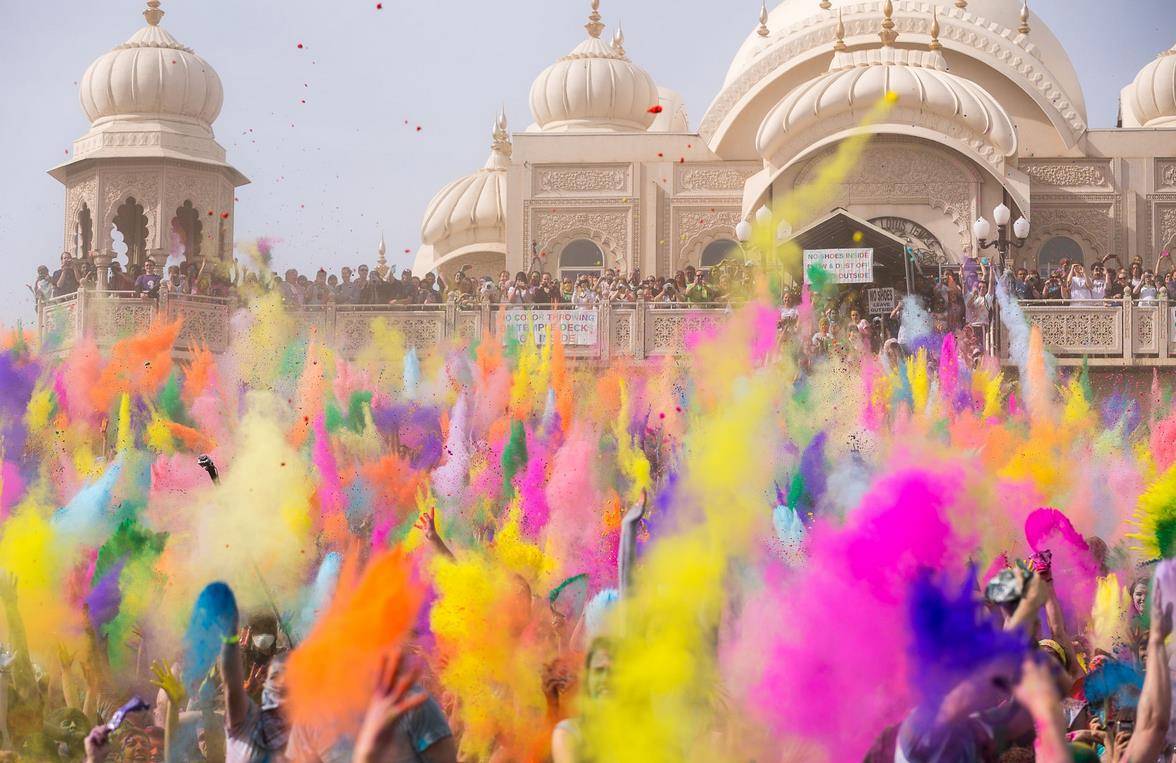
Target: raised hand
{"x":97,"y":744}
{"x":391,"y":700}
{"x":255,"y":680}
{"x":427,"y":524}
{"x":167,"y":679}
{"x":637,"y":511}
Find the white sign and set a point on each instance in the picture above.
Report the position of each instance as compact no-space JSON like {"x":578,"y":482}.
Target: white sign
{"x":576,"y":327}
{"x":880,"y":301}
{"x":1172,"y":330}
{"x":842,"y":265}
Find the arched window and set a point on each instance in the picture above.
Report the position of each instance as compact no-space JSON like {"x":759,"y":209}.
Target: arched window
{"x":132,"y":224}
{"x":187,"y":231}
{"x":715,"y":252}
{"x":1055,"y":250}
{"x":580,"y":257}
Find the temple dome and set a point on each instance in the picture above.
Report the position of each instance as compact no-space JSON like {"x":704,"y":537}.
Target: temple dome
{"x":594,"y":88}
{"x":1002,"y":40}
{"x":472,"y":209}
{"x":912,"y":80}
{"x":152,"y":75}
{"x":1153,"y":93}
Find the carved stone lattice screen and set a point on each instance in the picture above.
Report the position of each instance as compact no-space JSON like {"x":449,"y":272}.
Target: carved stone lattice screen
{"x":111,"y":318}
{"x":667,"y":329}
{"x":59,"y":323}
{"x":1075,"y":330}
{"x":1106,"y":333}
{"x":1145,"y":329}
{"x":206,"y":322}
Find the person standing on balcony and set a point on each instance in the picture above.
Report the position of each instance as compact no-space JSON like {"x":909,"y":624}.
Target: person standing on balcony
{"x":1022,"y":289}
{"x":698,"y":292}
{"x":1098,"y":282}
{"x":65,"y":278}
{"x":1053,"y":287}
{"x":42,"y":288}
{"x":979,"y":310}
{"x":147,"y":285}
{"x":1147,"y":292}
{"x":349,"y":289}
{"x":176,"y":282}
{"x":119,"y":281}
{"x":1077,"y":284}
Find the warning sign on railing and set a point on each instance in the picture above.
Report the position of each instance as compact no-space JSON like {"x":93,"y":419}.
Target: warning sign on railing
{"x":880,"y":301}
{"x":578,"y":328}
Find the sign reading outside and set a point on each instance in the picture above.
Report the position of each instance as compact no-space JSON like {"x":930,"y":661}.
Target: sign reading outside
{"x":880,"y":301}
{"x":577,"y":328}
{"x":842,"y":265}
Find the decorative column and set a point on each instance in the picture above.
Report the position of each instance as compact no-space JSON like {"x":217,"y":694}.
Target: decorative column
{"x":102,"y":262}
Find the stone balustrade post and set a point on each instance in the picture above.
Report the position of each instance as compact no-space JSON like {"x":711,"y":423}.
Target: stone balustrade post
{"x":1164,"y":329}
{"x":331,"y":316}
{"x":485,"y":329}
{"x":604,"y":311}
{"x":450,"y":319}
{"x":1128,"y":327}
{"x":639,"y":328}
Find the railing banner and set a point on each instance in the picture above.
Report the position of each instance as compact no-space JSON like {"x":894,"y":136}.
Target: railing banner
{"x":578,"y":328}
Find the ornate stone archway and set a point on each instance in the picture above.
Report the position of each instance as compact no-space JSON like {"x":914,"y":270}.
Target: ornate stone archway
{"x":896,"y":177}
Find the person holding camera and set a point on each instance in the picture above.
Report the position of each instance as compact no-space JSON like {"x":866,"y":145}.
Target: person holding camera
{"x":65,"y":278}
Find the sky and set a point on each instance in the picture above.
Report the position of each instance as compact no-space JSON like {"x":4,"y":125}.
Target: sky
{"x":331,"y":174}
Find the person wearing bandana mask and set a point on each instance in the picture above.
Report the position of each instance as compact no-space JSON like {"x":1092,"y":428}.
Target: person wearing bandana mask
{"x":255,"y":733}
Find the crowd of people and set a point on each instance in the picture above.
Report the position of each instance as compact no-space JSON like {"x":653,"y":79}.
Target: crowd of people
{"x":1071,"y":281}
{"x":961,"y":302}
{"x":379,"y":286}
{"x":717,"y":559}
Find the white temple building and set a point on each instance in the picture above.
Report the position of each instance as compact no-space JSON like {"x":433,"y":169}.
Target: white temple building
{"x":988,"y":110}
{"x":149,"y":167}
{"x":612,"y":174}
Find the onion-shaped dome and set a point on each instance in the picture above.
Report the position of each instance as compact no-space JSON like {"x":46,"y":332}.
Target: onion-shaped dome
{"x":595,"y":87}
{"x":152,"y":75}
{"x":1153,"y":98}
{"x":911,"y":80}
{"x":472,"y":210}
{"x":791,"y":18}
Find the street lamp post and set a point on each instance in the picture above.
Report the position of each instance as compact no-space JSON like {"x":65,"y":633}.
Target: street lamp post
{"x":743,"y":235}
{"x":1003,"y":244}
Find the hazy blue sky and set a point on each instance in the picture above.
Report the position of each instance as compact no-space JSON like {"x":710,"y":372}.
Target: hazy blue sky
{"x":330,"y":174}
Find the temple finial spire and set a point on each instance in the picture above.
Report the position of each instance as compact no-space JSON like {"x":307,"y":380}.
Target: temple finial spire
{"x":839,"y":33}
{"x":153,"y":14}
{"x":888,"y":35}
{"x":618,"y":42}
{"x":500,"y":143}
{"x":1024,"y":28}
{"x":935,"y":44}
{"x":826,"y":5}
{"x":763,"y":30}
{"x":594,"y":25}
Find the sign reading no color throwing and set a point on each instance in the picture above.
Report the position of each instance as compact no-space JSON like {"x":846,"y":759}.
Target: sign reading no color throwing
{"x":576,"y":327}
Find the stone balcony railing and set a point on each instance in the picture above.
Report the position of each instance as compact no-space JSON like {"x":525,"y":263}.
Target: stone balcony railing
{"x":1101,"y":333}
{"x":1105,"y":332}
{"x":633,"y":330}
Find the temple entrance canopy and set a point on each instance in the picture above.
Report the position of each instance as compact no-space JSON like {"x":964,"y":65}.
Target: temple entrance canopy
{"x":841,"y":230}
